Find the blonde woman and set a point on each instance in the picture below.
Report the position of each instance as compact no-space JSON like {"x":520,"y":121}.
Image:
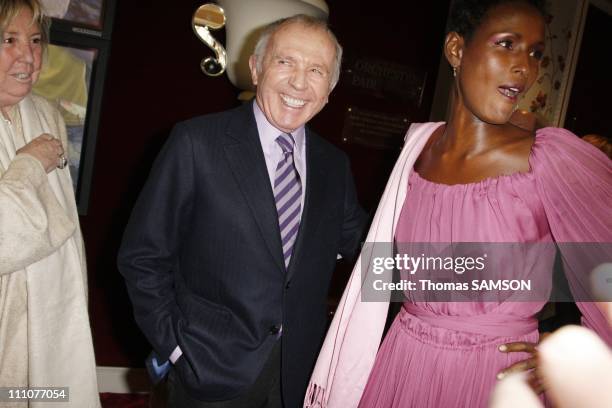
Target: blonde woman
{"x":45,"y":337}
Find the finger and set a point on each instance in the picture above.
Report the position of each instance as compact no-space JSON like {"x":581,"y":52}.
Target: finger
{"x":539,"y":388}
{"x":536,"y":385}
{"x":57,"y":147}
{"x":519,"y":346}
{"x":538,"y":374}
{"x":518,"y":367}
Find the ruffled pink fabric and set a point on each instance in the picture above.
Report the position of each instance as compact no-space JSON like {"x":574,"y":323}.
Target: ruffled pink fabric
{"x":452,"y":360}
{"x":574,"y":182}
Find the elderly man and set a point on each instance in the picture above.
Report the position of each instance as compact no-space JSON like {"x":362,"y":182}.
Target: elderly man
{"x":230,"y":249}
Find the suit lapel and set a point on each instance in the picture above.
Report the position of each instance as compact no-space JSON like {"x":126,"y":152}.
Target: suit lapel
{"x":314,"y":200}
{"x":246,"y":160}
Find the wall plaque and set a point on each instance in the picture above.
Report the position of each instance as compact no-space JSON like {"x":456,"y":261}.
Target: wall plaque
{"x":374,"y":129}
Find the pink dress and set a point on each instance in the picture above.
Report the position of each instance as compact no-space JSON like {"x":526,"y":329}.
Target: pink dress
{"x":445,"y":354}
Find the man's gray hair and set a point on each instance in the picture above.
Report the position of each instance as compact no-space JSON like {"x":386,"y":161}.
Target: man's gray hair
{"x":306,"y":21}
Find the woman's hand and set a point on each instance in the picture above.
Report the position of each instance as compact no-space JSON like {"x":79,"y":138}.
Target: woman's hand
{"x":530,"y":364}
{"x":580,"y":378}
{"x":47,"y":150}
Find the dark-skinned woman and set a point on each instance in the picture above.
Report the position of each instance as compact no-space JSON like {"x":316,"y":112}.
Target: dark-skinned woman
{"x":476,"y":178}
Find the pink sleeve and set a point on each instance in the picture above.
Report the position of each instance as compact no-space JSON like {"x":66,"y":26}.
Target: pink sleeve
{"x":575,"y":186}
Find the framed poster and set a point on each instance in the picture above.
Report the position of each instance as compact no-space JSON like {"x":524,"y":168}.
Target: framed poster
{"x":72,"y":79}
{"x":89,"y":17}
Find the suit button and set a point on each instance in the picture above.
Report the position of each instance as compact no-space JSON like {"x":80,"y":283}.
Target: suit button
{"x":288,"y":285}
{"x":276,"y":329}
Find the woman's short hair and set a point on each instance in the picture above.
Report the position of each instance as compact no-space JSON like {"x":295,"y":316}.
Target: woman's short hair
{"x":10,"y":8}
{"x":306,"y":21}
{"x":467,"y":15}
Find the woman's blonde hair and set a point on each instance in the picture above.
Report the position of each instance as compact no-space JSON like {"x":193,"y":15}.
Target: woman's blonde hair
{"x":10,"y":8}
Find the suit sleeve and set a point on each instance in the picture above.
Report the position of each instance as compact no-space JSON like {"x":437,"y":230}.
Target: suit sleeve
{"x":355,"y":218}
{"x":149,"y":254}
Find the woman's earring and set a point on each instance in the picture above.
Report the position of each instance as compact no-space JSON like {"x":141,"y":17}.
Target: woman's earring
{"x":454,"y":71}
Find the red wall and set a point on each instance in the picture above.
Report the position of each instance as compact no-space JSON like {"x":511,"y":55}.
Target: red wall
{"x":154,"y":80}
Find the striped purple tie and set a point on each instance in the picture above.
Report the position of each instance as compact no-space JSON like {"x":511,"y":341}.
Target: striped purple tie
{"x":288,"y":196}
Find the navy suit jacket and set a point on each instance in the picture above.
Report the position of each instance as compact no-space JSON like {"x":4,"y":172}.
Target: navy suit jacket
{"x":203,"y":262}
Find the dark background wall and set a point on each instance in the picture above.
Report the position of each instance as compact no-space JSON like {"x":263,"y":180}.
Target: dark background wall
{"x":154,"y":80}
{"x":588,"y":109}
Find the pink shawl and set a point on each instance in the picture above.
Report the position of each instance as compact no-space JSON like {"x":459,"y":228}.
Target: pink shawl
{"x":350,"y":348}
